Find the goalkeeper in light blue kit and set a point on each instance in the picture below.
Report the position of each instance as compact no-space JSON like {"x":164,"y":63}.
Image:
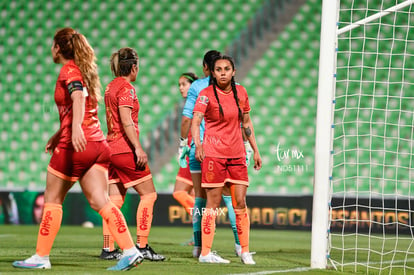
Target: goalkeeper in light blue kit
{"x":195,"y":167}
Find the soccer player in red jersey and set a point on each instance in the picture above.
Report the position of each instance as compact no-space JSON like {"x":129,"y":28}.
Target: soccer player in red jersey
{"x":224,"y":105}
{"x":129,"y":163}
{"x":79,"y":152}
{"x":195,"y":166}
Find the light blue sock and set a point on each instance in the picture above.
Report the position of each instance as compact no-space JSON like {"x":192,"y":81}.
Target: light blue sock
{"x":232,"y":217}
{"x":199,"y":204}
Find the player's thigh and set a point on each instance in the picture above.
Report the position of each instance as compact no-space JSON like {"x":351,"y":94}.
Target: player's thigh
{"x":116,"y":188}
{"x":213,"y":197}
{"x":198,"y":190}
{"x":226,"y":191}
{"x":94,"y":185}
{"x":56,"y":188}
{"x":182,"y":186}
{"x":145,"y":187}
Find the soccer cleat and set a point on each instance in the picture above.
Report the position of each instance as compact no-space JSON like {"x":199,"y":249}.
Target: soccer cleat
{"x":238,"y":250}
{"x":127,"y":262}
{"x":213,"y":258}
{"x":149,"y":254}
{"x":246,"y":258}
{"x":34,"y":261}
{"x":110,"y":255}
{"x":196,"y":251}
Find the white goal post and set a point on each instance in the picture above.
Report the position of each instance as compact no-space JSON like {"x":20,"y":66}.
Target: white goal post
{"x":364,"y":164}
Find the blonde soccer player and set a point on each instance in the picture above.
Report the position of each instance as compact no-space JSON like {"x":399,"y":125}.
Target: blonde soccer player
{"x":79,"y":152}
{"x":129,"y":163}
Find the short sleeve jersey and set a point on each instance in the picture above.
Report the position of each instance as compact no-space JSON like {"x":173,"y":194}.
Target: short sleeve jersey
{"x":192,"y":95}
{"x":91,"y":127}
{"x":120,"y":93}
{"x":222,"y":136}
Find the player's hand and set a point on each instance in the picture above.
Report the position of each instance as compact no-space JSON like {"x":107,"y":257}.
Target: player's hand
{"x":182,"y":144}
{"x":51,"y":144}
{"x":249,"y":152}
{"x":142,"y":158}
{"x":199,"y":153}
{"x":257,"y":161}
{"x":78,"y":139}
{"x":183,"y":157}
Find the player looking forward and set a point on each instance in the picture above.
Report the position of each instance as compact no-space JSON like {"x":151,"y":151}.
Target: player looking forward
{"x":223,"y":106}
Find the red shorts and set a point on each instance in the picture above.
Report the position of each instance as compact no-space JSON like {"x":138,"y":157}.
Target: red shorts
{"x":70,"y":165}
{"x":184,"y":175}
{"x":215,"y":172}
{"x":124,"y":169}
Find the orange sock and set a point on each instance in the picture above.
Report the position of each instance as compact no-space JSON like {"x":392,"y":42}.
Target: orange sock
{"x":117,"y":225}
{"x":144,"y":218}
{"x":208,"y":228}
{"x":108,"y":239}
{"x":49,"y":227}
{"x":185,"y":200}
{"x":243,"y":228}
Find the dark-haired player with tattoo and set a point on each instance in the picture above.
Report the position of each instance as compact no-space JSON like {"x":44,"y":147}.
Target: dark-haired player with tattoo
{"x":195,"y":166}
{"x":224,"y":105}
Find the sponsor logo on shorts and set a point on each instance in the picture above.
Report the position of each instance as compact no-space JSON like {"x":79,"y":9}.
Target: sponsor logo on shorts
{"x":144,"y":219}
{"x":45,"y":225}
{"x":119,"y":222}
{"x":210,"y":176}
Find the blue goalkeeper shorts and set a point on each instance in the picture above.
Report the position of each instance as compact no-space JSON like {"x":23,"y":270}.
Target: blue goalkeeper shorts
{"x":195,"y":165}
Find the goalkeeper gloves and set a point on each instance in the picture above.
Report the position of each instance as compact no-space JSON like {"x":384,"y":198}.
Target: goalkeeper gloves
{"x":249,"y":152}
{"x":183,"y":156}
{"x":183,"y":151}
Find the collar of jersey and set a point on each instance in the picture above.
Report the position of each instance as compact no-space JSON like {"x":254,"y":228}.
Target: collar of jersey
{"x":223,"y":92}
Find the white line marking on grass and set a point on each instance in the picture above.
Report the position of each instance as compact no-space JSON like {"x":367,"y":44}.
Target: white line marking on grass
{"x":6,"y":235}
{"x":299,"y":269}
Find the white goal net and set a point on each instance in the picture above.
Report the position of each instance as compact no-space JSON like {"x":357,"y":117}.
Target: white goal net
{"x":372,"y":166}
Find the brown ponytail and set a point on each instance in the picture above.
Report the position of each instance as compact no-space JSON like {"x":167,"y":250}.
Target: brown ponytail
{"x":75,"y":46}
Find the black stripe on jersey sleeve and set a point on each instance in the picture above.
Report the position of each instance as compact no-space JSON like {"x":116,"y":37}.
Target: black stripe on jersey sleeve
{"x":75,"y":86}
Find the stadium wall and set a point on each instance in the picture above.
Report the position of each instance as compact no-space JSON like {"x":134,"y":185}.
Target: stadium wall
{"x":267,"y":212}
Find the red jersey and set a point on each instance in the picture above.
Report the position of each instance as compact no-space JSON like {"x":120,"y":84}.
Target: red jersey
{"x":120,"y":93}
{"x":91,"y":127}
{"x":222,"y":137}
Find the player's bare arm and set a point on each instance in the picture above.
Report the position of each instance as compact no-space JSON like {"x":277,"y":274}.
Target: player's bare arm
{"x":249,"y":132}
{"x":185,"y":126}
{"x":131,"y":132}
{"x":195,"y":132}
{"x":78,"y":137}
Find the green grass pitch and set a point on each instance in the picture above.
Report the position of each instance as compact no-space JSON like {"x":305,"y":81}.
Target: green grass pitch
{"x":76,"y":251}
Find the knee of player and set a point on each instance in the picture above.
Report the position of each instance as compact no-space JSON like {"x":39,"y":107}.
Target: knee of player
{"x":240,"y":203}
{"x":150,"y":197}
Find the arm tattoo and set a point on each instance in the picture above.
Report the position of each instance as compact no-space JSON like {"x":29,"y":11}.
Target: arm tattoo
{"x":200,"y":115}
{"x":128,"y":125}
{"x":248,"y":131}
